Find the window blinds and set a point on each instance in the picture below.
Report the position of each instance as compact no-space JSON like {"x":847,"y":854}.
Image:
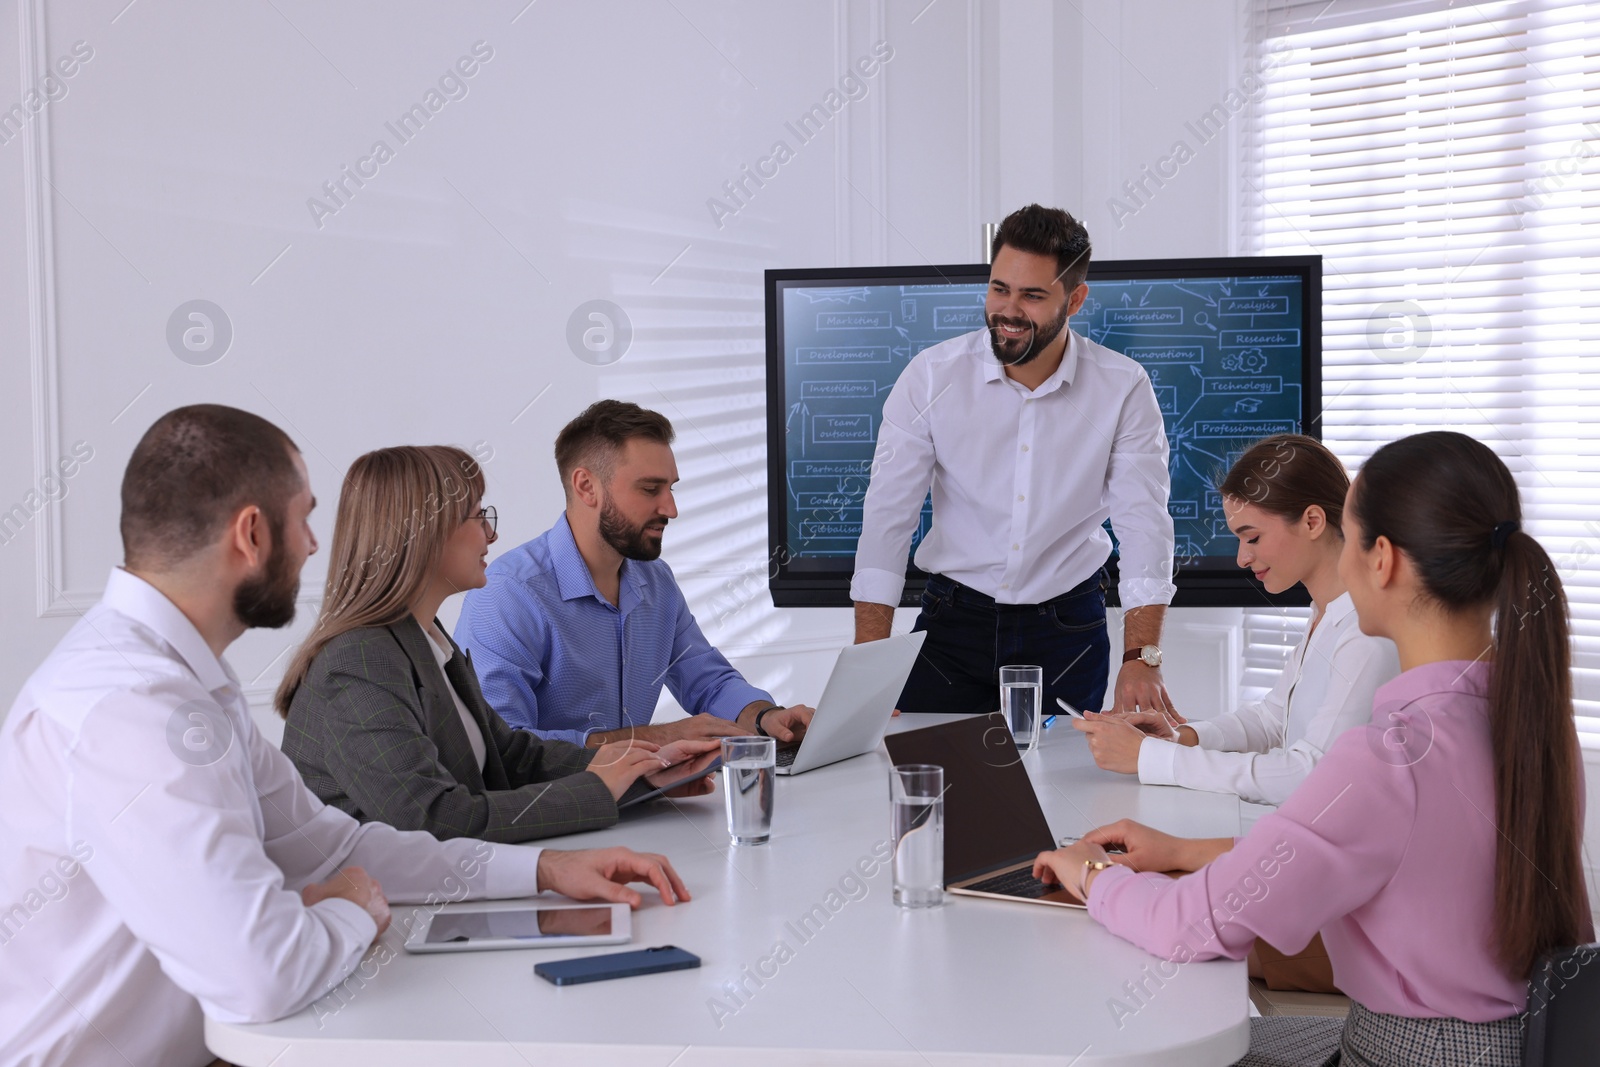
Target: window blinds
{"x":1445,"y":161}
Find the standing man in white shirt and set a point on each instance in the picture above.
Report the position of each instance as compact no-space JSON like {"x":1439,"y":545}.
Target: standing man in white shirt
{"x":158,"y":857}
{"x":1030,"y":437}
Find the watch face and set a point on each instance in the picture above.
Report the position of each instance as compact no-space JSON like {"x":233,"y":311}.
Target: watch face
{"x":1151,"y":655}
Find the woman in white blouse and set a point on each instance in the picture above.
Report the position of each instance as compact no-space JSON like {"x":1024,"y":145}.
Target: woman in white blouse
{"x":1283,"y":499}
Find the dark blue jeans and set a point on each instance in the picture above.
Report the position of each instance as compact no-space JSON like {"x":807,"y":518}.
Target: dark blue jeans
{"x":970,"y":638}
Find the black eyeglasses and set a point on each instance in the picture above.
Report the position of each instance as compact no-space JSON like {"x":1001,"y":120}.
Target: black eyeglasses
{"x":489,"y":518}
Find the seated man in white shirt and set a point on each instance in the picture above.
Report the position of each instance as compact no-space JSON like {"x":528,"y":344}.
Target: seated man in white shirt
{"x":158,"y":857}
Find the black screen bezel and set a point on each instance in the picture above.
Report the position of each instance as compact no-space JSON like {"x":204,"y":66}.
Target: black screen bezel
{"x":1203,"y":581}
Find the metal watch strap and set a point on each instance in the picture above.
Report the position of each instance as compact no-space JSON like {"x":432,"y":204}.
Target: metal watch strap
{"x":1083,"y":883}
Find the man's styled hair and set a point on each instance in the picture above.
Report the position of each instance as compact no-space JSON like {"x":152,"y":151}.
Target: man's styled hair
{"x":593,"y":439}
{"x":1048,"y":231}
{"x":192,"y":472}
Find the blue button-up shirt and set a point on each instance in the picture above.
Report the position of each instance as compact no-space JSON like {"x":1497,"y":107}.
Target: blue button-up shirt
{"x":556,"y":657}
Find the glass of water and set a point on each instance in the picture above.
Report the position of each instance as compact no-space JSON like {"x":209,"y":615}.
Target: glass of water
{"x":1021,"y":697}
{"x":747,"y":777}
{"x":916,"y":794}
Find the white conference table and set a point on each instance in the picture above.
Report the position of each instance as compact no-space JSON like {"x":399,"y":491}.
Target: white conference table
{"x":971,"y":982}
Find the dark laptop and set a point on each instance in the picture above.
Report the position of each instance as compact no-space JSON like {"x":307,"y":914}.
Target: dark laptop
{"x":993,"y":824}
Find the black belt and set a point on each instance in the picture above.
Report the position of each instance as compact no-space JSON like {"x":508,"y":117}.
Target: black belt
{"x":965,"y":595}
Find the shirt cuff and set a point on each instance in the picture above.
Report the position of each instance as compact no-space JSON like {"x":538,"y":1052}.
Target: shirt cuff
{"x":871,"y":586}
{"x":1155,"y":761}
{"x":735,"y":698}
{"x":1143,"y":592}
{"x":513,"y":871}
{"x":349,"y":917}
{"x":1206,"y":734}
{"x":1104,"y":882}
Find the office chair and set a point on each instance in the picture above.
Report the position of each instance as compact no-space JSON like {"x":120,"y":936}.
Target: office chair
{"x":1563,"y":1022}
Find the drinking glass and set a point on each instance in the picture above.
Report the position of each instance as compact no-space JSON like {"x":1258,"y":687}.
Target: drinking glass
{"x":748,"y":773}
{"x":1021,"y":700}
{"x":916,"y":794}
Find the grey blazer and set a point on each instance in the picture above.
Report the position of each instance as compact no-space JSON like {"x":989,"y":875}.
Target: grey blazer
{"x":375,"y":733}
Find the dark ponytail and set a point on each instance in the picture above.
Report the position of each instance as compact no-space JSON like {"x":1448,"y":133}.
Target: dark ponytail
{"x":1450,"y":504}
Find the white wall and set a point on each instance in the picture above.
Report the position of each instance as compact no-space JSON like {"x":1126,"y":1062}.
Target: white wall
{"x":433,"y":305}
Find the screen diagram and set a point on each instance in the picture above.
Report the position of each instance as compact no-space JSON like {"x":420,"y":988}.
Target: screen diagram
{"x":1225,"y":357}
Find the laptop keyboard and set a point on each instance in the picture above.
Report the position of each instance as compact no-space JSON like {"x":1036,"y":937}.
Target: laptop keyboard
{"x":787,"y":754}
{"x":1017,"y":883}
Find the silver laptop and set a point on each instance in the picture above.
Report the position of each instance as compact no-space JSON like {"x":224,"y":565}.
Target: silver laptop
{"x":856,"y":705}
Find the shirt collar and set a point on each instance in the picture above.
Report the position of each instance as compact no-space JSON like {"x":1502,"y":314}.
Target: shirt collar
{"x":132,"y":596}
{"x":1063,"y":375}
{"x":441,"y":654}
{"x":573,"y":578}
{"x":1468,"y":678}
{"x":1336,"y":611}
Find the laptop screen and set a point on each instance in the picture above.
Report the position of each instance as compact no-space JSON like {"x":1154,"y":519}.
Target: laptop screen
{"x":991,"y":815}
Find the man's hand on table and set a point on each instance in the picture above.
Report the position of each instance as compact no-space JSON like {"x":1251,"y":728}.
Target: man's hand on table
{"x":604,"y":874}
{"x":1141,"y":688}
{"x":359,"y":888}
{"x":693,"y":728}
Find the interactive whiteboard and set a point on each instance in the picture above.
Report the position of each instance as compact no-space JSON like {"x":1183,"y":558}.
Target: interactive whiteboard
{"x":1232,"y":348}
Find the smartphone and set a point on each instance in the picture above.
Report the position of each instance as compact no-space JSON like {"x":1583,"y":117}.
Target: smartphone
{"x":1069,"y":709}
{"x":617,"y":965}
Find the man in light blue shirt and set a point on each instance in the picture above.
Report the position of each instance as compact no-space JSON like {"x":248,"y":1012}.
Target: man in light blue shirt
{"x":577,"y":630}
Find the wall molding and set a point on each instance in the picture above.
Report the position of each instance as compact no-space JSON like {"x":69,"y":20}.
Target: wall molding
{"x":1226,"y":641}
{"x":865,"y":242}
{"x":975,"y":98}
{"x":51,"y":597}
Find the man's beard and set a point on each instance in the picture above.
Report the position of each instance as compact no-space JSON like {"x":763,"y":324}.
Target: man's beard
{"x":1027,"y":348}
{"x":628,"y":541}
{"x":267,"y":601}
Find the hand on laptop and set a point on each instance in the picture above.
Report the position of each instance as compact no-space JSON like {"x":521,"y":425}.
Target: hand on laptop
{"x":1065,"y":866}
{"x":604,"y":874}
{"x":1144,"y":849}
{"x":788,"y":724}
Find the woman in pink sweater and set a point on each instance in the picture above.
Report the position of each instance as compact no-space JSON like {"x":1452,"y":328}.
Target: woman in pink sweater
{"x":1436,"y":849}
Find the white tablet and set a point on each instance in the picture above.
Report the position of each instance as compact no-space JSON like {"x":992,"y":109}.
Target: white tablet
{"x":487,"y":924}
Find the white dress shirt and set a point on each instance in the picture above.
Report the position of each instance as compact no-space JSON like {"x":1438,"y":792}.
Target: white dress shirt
{"x":441,"y":655}
{"x":1021,"y":480}
{"x":153,"y":846}
{"x":1264,"y":750}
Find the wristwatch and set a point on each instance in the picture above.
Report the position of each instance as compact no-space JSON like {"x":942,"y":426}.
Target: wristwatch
{"x":763,"y":714}
{"x":1149,"y":654}
{"x":1083,"y":883}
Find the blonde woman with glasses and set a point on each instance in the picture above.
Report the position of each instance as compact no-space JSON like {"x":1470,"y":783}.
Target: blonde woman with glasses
{"x":384,"y":716}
